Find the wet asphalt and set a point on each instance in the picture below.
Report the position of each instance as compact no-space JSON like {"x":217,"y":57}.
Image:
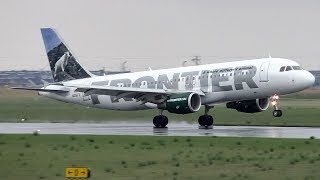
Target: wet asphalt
{"x":146,"y":128}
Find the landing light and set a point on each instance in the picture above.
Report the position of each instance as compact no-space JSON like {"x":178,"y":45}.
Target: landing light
{"x":276,"y":97}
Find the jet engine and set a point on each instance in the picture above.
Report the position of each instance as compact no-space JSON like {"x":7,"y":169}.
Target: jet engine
{"x":250,"y":106}
{"x":183,"y":103}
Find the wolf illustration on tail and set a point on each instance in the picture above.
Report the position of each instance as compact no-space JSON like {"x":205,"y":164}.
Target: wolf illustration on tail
{"x":63,"y":64}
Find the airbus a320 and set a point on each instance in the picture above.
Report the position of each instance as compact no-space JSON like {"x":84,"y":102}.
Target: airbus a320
{"x":247,"y":86}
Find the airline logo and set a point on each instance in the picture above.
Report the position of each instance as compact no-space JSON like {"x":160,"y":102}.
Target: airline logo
{"x":239,"y":75}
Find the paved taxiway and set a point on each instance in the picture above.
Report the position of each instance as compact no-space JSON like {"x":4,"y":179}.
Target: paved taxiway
{"x":146,"y":128}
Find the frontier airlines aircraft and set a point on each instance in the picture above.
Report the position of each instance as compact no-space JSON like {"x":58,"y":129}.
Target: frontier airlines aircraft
{"x":246,"y":86}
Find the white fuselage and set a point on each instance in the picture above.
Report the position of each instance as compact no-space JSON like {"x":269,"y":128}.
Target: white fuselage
{"x":221,"y":83}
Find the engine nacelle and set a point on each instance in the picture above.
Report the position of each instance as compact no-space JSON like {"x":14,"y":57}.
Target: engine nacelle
{"x":183,"y":103}
{"x":250,"y":106}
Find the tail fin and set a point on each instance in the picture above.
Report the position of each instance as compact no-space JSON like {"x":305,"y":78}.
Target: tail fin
{"x":63,"y":64}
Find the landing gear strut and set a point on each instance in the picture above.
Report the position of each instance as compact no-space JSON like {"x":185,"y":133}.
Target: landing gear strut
{"x":274,"y":102}
{"x":206,"y":120}
{"x":160,"y":121}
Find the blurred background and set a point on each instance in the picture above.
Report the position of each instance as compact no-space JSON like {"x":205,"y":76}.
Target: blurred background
{"x":120,"y":36}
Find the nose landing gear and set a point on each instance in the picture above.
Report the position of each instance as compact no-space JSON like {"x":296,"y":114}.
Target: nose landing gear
{"x":274,"y":102}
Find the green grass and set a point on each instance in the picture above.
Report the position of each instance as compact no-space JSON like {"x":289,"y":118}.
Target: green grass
{"x":16,"y":105}
{"x":138,"y":157}
{"x":306,"y":94}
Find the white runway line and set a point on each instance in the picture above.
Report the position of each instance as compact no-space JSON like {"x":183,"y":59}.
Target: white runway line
{"x":146,"y":128}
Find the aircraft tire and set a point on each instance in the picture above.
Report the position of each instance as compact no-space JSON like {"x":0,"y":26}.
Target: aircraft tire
{"x":277,"y":113}
{"x":205,"y":120}
{"x":160,"y":121}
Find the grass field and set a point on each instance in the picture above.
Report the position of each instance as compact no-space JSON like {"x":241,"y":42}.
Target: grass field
{"x":301,"y":109}
{"x":133,"y":157}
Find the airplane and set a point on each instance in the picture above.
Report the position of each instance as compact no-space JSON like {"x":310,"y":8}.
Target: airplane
{"x":247,"y":86}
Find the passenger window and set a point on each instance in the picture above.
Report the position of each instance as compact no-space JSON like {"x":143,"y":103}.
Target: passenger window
{"x":289,"y":68}
{"x":282,"y":68}
{"x":296,"y":67}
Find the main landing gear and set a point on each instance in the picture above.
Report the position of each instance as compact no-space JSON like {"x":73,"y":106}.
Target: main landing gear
{"x":160,"y":121}
{"x":274,"y":102}
{"x":206,"y":120}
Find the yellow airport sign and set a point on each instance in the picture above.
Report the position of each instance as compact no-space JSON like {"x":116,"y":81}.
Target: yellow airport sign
{"x":77,"y":173}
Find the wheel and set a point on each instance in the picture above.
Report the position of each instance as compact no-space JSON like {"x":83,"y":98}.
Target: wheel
{"x":201,"y":121}
{"x":277,"y":113}
{"x":205,"y":120}
{"x":160,"y":121}
{"x":209,"y":120}
{"x":164,"y":121}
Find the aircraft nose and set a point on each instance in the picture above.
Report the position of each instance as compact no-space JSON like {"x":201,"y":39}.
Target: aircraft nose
{"x":309,"y":79}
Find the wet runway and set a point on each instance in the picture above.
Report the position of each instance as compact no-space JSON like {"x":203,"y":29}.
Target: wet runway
{"x":146,"y":128}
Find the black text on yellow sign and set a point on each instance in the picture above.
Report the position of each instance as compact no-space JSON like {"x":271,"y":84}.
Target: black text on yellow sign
{"x":77,"y":173}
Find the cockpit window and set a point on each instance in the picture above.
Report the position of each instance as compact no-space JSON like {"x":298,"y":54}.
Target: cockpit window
{"x":282,"y":68}
{"x":296,"y":67}
{"x":289,"y":68}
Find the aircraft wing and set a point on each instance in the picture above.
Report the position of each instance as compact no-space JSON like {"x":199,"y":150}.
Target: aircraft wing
{"x":140,"y":94}
{"x":127,"y":92}
{"x":41,"y":89}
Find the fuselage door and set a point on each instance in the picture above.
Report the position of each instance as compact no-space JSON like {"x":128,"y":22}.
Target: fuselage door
{"x":264,"y":72}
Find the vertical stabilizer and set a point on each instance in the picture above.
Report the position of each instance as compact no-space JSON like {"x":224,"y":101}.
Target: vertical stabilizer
{"x":63,"y":64}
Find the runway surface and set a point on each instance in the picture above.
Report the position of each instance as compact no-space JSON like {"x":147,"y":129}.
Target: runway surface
{"x":146,"y":128}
